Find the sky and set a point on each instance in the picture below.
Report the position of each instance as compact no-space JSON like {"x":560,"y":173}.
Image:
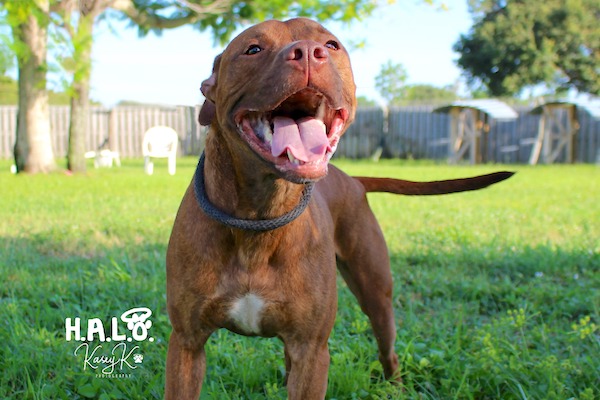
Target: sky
{"x":169,"y":69}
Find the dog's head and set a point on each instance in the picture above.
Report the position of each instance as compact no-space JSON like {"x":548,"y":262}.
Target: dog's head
{"x":286,"y":91}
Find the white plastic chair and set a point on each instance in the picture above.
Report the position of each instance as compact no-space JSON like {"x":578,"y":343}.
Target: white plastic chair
{"x":160,"y":142}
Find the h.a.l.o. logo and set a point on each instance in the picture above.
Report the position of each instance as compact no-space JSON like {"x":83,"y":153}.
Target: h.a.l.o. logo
{"x":137,"y":322}
{"x":118,"y":361}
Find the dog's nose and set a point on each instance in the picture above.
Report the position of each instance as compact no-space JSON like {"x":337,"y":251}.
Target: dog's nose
{"x":307,"y":53}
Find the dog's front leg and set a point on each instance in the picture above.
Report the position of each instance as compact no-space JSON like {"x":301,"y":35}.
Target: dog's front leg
{"x":308,"y":364}
{"x":186,"y":366}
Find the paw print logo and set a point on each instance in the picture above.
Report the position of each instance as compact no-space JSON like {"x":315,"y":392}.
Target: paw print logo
{"x":138,"y":358}
{"x":138,"y":322}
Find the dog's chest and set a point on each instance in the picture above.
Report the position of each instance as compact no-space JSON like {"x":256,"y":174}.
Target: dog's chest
{"x":248,"y":292}
{"x":262,"y":292}
{"x":246,"y":313}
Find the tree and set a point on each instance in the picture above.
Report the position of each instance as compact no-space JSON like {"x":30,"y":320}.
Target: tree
{"x":518,"y":43}
{"x":79,"y":27}
{"x":28,"y":20}
{"x":390,"y":82}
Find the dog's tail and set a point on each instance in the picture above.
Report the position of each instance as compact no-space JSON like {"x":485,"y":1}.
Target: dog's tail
{"x":410,"y":188}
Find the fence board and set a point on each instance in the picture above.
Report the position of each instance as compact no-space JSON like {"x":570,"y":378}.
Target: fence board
{"x":417,"y":132}
{"x":8,"y":127}
{"x":363,"y":137}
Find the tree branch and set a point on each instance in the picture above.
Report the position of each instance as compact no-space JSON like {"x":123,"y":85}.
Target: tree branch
{"x":92,"y":7}
{"x":215,"y":7}
{"x":146,"y":19}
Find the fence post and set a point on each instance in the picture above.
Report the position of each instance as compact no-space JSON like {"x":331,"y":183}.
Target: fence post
{"x":113,"y":143}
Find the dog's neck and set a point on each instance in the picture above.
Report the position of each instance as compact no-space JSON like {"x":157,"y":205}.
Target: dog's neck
{"x":242,"y":193}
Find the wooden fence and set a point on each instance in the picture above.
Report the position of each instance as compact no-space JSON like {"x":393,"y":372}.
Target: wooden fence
{"x":124,"y":126}
{"x":413,"y":131}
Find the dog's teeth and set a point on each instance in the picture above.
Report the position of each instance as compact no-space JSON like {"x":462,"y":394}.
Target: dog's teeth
{"x":292,"y":159}
{"x":321,"y":111}
{"x":268,"y":134}
{"x":261,"y":129}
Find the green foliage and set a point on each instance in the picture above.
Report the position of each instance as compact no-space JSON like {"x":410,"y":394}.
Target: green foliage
{"x":365,"y":101}
{"x":7,"y":55}
{"x":16,"y":14}
{"x":70,"y":43}
{"x":6,"y":58}
{"x":515,"y":44}
{"x":496,"y":291}
{"x":429,"y":94}
{"x":60,"y":98}
{"x":390,"y":82}
{"x":9,"y":94}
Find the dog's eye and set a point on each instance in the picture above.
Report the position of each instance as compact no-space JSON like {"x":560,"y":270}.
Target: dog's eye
{"x":333,"y":45}
{"x":253,"y":49}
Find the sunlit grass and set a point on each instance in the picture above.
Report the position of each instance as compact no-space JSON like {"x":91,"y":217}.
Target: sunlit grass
{"x":496,"y":291}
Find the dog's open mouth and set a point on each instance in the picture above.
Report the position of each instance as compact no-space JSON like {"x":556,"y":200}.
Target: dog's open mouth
{"x":299,"y":136}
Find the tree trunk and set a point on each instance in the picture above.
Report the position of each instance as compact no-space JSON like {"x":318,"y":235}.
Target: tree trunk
{"x":78,"y":124}
{"x":33,"y":147}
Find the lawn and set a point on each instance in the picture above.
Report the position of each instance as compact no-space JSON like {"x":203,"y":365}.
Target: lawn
{"x":496,"y":291}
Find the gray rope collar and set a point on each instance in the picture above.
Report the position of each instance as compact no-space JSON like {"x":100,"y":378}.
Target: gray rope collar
{"x":259,"y":225}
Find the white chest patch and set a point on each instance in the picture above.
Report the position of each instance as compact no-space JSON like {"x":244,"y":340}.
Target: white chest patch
{"x":246,"y":313}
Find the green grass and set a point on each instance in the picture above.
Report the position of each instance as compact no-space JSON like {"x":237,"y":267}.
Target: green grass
{"x":496,"y":291}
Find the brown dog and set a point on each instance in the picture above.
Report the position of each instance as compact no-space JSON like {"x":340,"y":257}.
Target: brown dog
{"x":254,"y":248}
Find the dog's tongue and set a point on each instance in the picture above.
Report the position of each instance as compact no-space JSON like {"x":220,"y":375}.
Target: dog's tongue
{"x":305,"y":138}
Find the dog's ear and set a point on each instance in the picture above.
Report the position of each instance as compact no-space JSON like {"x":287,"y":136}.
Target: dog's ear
{"x":208,"y":110}
{"x":209,"y":84}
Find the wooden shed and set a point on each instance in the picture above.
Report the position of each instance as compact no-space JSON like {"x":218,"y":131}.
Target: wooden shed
{"x":470,"y":125}
{"x":557,"y":130}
